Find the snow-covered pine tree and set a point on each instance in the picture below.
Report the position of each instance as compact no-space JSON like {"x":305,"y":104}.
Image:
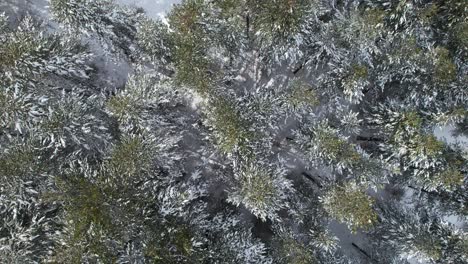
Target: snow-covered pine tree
{"x":297,"y":131}
{"x":49,"y":118}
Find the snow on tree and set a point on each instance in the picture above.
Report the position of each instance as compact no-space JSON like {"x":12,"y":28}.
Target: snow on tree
{"x":113,"y":26}
{"x":349,"y":204}
{"x":154,"y":40}
{"x":296,"y":131}
{"x":263,"y":191}
{"x":420,"y":236}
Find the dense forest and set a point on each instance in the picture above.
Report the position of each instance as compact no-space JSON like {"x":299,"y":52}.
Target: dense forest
{"x":234,"y":131}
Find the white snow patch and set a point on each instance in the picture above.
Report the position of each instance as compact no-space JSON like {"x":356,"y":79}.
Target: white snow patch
{"x":457,"y":221}
{"x":445,"y":133}
{"x":196,"y":101}
{"x":153,"y":8}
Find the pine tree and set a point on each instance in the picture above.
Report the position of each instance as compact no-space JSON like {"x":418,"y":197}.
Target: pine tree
{"x":351,"y":205}
{"x":296,"y":131}
{"x":420,"y":236}
{"x":262,"y":190}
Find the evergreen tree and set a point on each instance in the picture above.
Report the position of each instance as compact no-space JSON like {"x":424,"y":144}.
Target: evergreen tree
{"x":284,"y":131}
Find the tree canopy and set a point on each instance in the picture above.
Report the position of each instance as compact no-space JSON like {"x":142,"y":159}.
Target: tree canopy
{"x":234,"y":131}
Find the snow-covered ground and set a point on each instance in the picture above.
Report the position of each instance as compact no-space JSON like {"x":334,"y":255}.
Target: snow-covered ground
{"x":154,"y":8}
{"x":446,"y":134}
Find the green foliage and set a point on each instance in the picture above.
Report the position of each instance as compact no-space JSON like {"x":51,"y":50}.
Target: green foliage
{"x":87,"y":219}
{"x":278,"y":18}
{"x":324,"y":240}
{"x":16,"y":46}
{"x":350,"y":205}
{"x":460,"y":33}
{"x":261,"y":190}
{"x":337,"y":147}
{"x":408,"y":51}
{"x":28,"y":50}
{"x":122,"y":106}
{"x":154,"y":39}
{"x":449,"y":179}
{"x":428,"y":13}
{"x":354,"y":82}
{"x":406,"y":127}
{"x":3,"y":22}
{"x":454,"y":11}
{"x":231,"y":131}
{"x":258,"y":189}
{"x":410,"y":121}
{"x":17,"y":162}
{"x":72,"y":123}
{"x":193,"y":68}
{"x":302,"y":94}
{"x":183,"y":241}
{"x":172,"y":245}
{"x":373,"y":17}
{"x":292,"y":251}
{"x":445,"y":70}
{"x":93,"y":170}
{"x":190,"y":47}
{"x":129,"y":105}
{"x":72,"y":255}
{"x":79,"y":15}
{"x":229,"y":7}
{"x":358,"y":72}
{"x":431,"y":250}
{"x":85,"y":205}
{"x":15,"y":109}
{"x":430,"y":241}
{"x":361,"y":29}
{"x":454,"y":115}
{"x":427,"y":145}
{"x":333,"y":149}
{"x":186,"y":16}
{"x":128,"y":162}
{"x":90,"y":247}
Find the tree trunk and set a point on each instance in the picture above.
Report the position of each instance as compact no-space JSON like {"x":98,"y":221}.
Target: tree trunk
{"x":308,"y":176}
{"x":373,"y":139}
{"x":362,"y":251}
{"x":247,"y":26}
